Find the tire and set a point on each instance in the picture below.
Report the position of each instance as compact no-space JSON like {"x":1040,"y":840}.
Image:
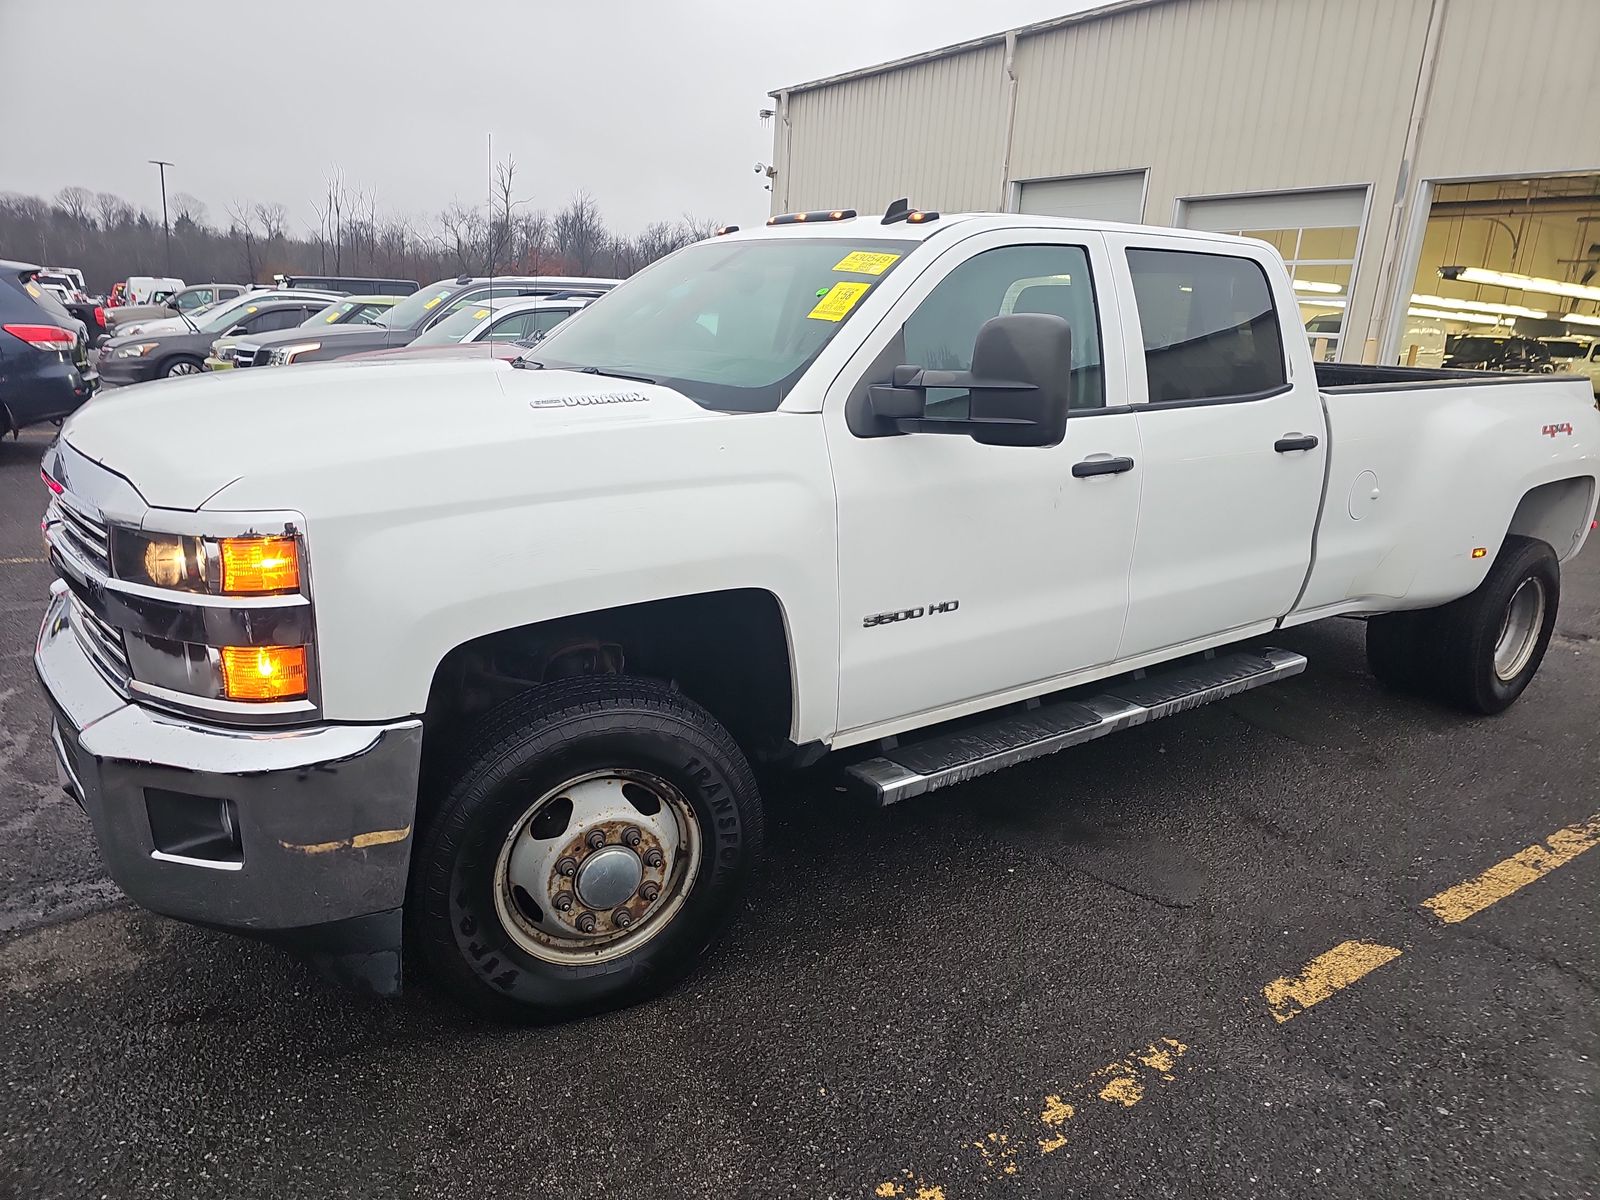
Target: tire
{"x":1458,"y":655}
{"x":1394,"y":650}
{"x":183,"y":364}
{"x":504,"y":949}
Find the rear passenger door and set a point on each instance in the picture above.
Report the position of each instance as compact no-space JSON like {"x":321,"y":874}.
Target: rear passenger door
{"x":1232,"y":444}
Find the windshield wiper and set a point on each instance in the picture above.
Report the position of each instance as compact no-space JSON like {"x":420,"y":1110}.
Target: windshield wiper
{"x":613,"y":374}
{"x":192,"y":326}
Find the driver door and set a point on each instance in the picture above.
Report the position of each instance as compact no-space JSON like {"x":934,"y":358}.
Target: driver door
{"x":968,"y":573}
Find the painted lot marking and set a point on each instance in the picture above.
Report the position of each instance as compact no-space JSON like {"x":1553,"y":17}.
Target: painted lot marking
{"x":1324,"y":975}
{"x":17,"y":562}
{"x":1511,"y":874}
{"x":1123,"y":1084}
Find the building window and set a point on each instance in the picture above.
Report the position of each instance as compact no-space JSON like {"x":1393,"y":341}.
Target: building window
{"x":1210,"y":331}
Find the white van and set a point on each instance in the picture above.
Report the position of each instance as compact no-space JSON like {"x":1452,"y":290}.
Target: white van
{"x":150,"y":289}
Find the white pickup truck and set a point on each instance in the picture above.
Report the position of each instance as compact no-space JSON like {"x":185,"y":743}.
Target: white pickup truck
{"x":483,"y":650}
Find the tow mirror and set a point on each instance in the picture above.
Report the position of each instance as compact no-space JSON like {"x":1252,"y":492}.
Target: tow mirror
{"x":1020,"y":386}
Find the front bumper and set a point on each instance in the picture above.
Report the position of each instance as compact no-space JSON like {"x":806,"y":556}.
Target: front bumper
{"x":213,"y":363}
{"x":120,"y":372}
{"x":323,"y":815}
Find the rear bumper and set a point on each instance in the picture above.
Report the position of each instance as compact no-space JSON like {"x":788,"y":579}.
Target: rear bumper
{"x":321,"y":818}
{"x":46,"y":391}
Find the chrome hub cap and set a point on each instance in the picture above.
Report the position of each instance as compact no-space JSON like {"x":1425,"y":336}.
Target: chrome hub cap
{"x":1519,"y":632}
{"x":597,"y":866}
{"x":183,"y":368}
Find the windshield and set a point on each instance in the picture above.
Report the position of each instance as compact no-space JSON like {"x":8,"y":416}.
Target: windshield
{"x":221,"y":316}
{"x":416,"y":306}
{"x":454,"y":327}
{"x":730,"y":324}
{"x":1476,"y":349}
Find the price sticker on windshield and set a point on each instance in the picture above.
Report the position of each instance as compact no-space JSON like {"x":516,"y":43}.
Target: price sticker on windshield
{"x":837,"y":301}
{"x":866,"y":262}
{"x":436,"y":301}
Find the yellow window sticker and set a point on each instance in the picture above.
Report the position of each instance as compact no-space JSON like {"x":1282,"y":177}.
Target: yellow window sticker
{"x":34,"y":292}
{"x":251,"y":309}
{"x":837,"y":301}
{"x":436,"y":301}
{"x":866,"y":262}
{"x":480,"y":314}
{"x":332,"y":317}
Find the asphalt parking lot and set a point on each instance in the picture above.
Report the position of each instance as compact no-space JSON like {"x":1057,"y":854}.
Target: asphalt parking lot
{"x":1261,"y":949}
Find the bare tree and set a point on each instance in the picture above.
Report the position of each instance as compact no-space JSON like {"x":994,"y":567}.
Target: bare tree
{"x":330,"y":220}
{"x":112,"y":209}
{"x":77,"y":203}
{"x":187,"y":211}
{"x":242,"y":230}
{"x":579,"y":233}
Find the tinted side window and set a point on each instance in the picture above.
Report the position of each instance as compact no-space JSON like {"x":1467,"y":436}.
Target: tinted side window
{"x":278,"y":318}
{"x":1210,"y":331}
{"x":939,"y":336}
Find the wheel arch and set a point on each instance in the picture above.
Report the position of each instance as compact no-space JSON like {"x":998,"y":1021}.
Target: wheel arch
{"x":1557,"y":513}
{"x":730,"y":651}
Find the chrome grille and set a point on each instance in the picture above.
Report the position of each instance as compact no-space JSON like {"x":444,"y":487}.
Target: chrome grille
{"x":101,"y":642}
{"x":83,"y":532}
{"x":245,"y":356}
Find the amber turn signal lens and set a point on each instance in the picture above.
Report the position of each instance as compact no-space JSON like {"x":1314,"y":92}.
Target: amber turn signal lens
{"x":264,"y":672}
{"x":260,"y":564}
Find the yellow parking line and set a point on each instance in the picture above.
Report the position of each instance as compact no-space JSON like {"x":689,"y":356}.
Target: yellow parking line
{"x":17,"y":562}
{"x":1323,"y":976}
{"x":1522,"y":868}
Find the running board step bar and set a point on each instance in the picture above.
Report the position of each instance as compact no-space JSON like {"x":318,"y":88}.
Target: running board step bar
{"x":950,"y":758}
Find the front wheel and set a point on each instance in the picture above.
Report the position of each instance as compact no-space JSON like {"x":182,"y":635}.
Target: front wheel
{"x":592,"y":845}
{"x":1480,"y":652}
{"x":181,"y":366}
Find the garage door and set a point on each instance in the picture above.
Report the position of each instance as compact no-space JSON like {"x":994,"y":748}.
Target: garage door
{"x":1118,"y":197}
{"x":1317,"y":234}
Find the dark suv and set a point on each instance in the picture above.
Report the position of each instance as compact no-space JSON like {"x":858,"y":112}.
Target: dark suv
{"x":1498,"y":352}
{"x":44,"y":354}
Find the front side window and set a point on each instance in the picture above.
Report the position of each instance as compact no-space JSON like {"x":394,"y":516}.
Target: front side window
{"x":940,"y":335}
{"x":1210,"y":329}
{"x":193,"y":300}
{"x":730,"y":323}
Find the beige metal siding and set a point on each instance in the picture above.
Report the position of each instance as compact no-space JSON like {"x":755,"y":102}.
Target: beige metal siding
{"x":1516,"y":89}
{"x":934,"y":131}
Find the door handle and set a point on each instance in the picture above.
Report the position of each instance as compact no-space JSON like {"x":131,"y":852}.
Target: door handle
{"x":1101,"y":466}
{"x":1295,"y":441}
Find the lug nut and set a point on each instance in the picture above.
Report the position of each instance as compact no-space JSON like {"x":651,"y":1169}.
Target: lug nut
{"x":595,"y":840}
{"x":622,"y":918}
{"x":632,"y":838}
{"x":653,"y":858}
{"x":567,"y":867}
{"x":649,"y":891}
{"x":563,"y":901}
{"x":585,"y":923}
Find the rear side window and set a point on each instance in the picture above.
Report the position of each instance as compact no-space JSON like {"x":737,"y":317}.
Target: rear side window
{"x":1210,"y":331}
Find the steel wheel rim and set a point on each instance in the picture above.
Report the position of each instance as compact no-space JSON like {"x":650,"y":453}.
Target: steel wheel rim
{"x":183,"y":368}
{"x":1519,"y":632}
{"x":549,"y":858}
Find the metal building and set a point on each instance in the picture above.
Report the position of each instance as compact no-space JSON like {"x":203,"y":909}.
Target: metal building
{"x":1385,"y":146}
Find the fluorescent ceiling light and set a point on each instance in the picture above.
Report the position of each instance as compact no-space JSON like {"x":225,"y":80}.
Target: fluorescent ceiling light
{"x":1526,"y":283}
{"x":1311,"y":285}
{"x":1510,"y":310}
{"x":1580,"y":319}
{"x":1320,"y":302}
{"x":1464,"y":317}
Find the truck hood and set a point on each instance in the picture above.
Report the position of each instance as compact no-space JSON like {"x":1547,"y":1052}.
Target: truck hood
{"x":180,"y":442}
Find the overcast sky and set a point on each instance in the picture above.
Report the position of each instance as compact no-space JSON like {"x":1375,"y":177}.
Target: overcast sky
{"x":651,"y":106}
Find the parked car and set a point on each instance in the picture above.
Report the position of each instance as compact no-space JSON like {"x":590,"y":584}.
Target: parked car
{"x":1498,"y":352}
{"x":347,"y":283}
{"x":415,"y":313}
{"x":149,"y":289}
{"x":44,"y":355}
{"x":949,"y":495}
{"x":185,"y":301}
{"x":138,"y":357}
{"x":239,"y":350}
{"x":508,"y":319}
{"x":237,"y":304}
{"x":1576,"y":356}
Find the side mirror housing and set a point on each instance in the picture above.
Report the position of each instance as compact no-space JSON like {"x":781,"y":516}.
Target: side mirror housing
{"x":235,"y":330}
{"x":1027,"y":348}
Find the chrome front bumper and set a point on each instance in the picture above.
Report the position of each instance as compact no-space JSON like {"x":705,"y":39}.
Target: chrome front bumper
{"x":323,"y":816}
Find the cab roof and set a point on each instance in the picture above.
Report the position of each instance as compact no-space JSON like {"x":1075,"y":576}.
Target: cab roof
{"x":870,"y":225}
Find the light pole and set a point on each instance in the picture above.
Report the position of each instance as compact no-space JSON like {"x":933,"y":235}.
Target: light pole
{"x":162,"y":166}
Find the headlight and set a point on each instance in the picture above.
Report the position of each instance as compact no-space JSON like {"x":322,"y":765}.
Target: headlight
{"x":137,"y":350}
{"x":239,"y":566}
{"x":284,"y":355}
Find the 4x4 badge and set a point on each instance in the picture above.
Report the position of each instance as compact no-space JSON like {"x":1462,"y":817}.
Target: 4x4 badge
{"x":1565,"y":427}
